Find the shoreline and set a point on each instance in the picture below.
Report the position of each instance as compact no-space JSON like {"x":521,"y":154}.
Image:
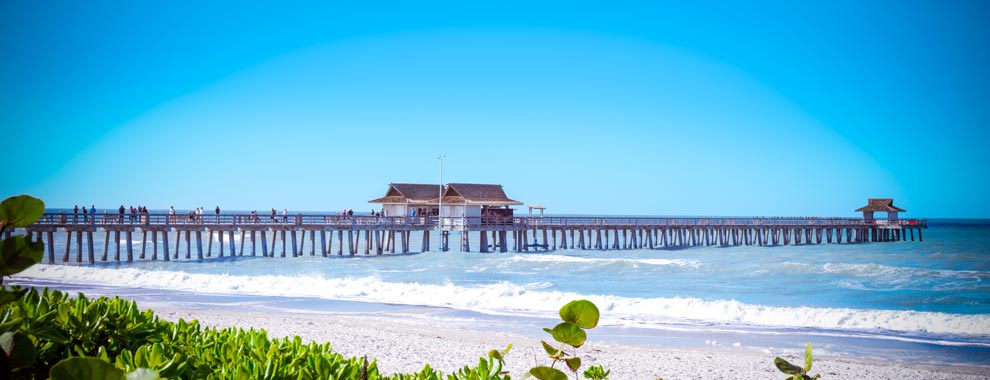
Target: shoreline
{"x":744,"y":348}
{"x":405,"y":346}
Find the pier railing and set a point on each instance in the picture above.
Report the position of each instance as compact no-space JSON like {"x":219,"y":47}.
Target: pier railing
{"x":104,"y":220}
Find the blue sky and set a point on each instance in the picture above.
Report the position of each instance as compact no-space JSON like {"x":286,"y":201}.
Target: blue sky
{"x":721,"y":108}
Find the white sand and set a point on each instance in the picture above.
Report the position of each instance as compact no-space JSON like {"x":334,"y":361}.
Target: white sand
{"x":406,"y":346}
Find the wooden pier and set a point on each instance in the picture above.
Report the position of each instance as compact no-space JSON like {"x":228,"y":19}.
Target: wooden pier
{"x":174,"y":237}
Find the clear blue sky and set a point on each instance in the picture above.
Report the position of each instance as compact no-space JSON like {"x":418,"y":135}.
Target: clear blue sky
{"x":721,"y":108}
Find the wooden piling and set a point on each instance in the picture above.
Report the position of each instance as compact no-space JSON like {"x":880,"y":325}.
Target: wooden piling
{"x":164,"y":245}
{"x":79,"y":246}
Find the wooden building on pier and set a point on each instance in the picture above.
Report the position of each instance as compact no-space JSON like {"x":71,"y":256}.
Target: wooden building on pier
{"x":463,"y":203}
{"x":468,"y":202}
{"x":885,"y":205}
{"x":410,"y":199}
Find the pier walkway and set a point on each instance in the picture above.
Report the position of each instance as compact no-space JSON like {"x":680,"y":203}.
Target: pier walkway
{"x":278,"y":236}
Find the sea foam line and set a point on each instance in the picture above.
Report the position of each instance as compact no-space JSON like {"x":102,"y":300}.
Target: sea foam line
{"x":514,"y":299}
{"x":574,"y":259}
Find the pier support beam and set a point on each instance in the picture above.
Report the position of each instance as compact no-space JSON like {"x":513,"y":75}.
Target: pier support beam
{"x":264,"y":245}
{"x":164,"y":245}
{"x":154,"y":245}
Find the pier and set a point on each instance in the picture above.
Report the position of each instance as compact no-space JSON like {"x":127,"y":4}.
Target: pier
{"x":176,"y":238}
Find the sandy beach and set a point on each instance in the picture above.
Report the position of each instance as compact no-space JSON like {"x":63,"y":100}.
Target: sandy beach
{"x":402,"y":346}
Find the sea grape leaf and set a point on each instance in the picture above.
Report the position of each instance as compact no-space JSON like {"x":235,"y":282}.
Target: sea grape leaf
{"x":79,"y":368}
{"x":573,"y":363}
{"x":18,"y":253}
{"x":569,"y":333}
{"x":583,"y":313}
{"x":786,"y":367}
{"x":547,"y":373}
{"x":18,"y":348}
{"x":807,"y":358}
{"x":551,"y":350}
{"x":21,"y":210}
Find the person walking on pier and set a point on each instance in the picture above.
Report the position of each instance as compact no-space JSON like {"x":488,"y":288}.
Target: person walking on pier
{"x":171,"y":214}
{"x":75,"y":213}
{"x":121,"y":209}
{"x":92,"y":212}
{"x":85,"y":216}
{"x":218,"y":214}
{"x":285,"y":215}
{"x":273,"y":214}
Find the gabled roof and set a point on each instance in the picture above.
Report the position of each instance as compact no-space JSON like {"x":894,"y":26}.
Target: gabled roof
{"x":882,"y":205}
{"x":474,"y":193}
{"x":409,"y":193}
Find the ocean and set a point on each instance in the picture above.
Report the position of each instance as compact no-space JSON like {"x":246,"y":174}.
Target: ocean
{"x":904,"y":301}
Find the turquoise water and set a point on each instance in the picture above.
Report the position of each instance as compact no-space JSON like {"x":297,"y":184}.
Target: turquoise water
{"x":934,"y":295}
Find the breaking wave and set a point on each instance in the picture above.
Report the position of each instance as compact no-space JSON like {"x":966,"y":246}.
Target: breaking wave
{"x":529,"y":299}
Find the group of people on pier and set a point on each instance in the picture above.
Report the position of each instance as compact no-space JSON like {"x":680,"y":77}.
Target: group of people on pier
{"x":131,"y":214}
{"x":86,"y":215}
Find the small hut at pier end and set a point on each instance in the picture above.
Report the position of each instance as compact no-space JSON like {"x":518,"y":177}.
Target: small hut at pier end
{"x":880,"y":205}
{"x":408,"y":199}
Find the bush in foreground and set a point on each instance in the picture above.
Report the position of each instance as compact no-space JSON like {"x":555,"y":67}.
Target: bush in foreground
{"x":114,"y":330}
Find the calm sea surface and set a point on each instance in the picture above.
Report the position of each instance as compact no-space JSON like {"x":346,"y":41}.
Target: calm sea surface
{"x":927,"y":301}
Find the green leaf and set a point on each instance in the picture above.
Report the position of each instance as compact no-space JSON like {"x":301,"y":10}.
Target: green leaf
{"x":598,"y":373}
{"x":18,"y":348}
{"x":581,"y":312}
{"x":8,"y":296}
{"x":507,"y":349}
{"x":21,"y":211}
{"x":17,"y":254}
{"x":573,"y":363}
{"x":86,"y":369}
{"x":547,"y":373}
{"x":786,"y":367}
{"x":551,"y":350}
{"x":569,"y":333}
{"x":807,"y":358}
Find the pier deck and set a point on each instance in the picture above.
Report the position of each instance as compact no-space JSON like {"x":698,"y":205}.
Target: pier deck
{"x":297,"y":235}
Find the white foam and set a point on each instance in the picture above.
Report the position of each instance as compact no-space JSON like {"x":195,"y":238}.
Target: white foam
{"x":875,"y":270}
{"x":575,"y":259}
{"x":530,"y":299}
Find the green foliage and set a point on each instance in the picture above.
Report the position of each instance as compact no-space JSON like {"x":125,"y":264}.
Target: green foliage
{"x":583,"y":313}
{"x":138,"y":345}
{"x":568,"y":333}
{"x":798,"y":373}
{"x":576,"y":316}
{"x":96,"y":369}
{"x":21,"y":211}
{"x":17,"y":253}
{"x":86,"y":369}
{"x":547,"y":373}
{"x":18,"y":350}
{"x":488,"y":368}
{"x":596,"y":373}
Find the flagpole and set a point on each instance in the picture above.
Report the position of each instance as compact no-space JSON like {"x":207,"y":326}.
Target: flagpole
{"x":440,"y":207}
